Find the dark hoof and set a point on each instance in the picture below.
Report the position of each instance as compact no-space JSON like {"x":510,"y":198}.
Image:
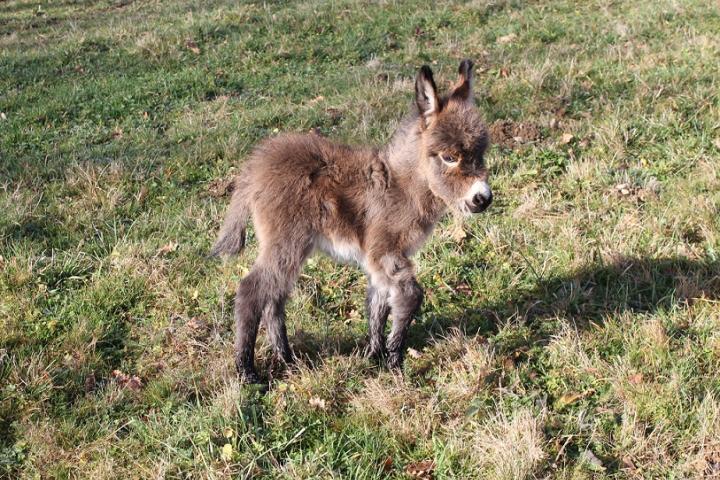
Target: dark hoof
{"x":249,"y":377}
{"x":246,"y":373}
{"x":279,"y":366}
{"x":377,"y":355}
{"x":394,"y":362}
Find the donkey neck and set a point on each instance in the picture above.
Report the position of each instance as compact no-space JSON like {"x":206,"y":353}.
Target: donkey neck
{"x":402,"y":156}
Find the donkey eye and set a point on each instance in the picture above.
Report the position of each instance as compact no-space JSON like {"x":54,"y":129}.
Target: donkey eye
{"x":448,"y":159}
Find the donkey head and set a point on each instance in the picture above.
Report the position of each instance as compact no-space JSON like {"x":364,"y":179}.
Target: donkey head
{"x":454,"y":140}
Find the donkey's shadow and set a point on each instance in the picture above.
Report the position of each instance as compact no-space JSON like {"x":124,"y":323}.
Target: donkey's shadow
{"x":586,"y":296}
{"x":583,"y":297}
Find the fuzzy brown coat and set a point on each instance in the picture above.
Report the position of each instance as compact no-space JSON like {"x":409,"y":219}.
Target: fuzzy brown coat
{"x":371,"y":206}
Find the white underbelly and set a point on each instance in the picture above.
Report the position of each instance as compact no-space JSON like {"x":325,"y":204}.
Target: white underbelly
{"x":340,"y":250}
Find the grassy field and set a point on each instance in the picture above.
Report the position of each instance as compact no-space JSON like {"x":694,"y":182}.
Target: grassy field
{"x":574,"y":333}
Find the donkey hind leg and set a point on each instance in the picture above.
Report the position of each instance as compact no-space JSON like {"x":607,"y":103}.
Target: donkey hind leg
{"x":274,"y":319}
{"x":405,"y":301}
{"x":249,"y":301}
{"x":378,"y":310}
{"x":261,"y":295}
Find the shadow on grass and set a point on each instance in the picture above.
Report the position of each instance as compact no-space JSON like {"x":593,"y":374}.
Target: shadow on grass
{"x":587,"y":296}
{"x":583,"y":297}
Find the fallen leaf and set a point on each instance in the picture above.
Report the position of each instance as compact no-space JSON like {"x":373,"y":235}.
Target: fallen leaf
{"x":192,"y":46}
{"x":506,"y":38}
{"x":228,"y":432}
{"x":167,"y":248}
{"x":414,"y":353}
{"x":318,"y":403}
{"x":635,"y":378}
{"x":570,"y":398}
{"x":423,"y":470}
{"x":132,"y":382}
{"x":3,"y":116}
{"x":334,"y":113}
{"x":504,"y":72}
{"x":197,"y":323}
{"x":388,"y":464}
{"x":90,"y":382}
{"x":227,"y":452}
{"x":221,"y":187}
{"x":628,"y":463}
{"x":566,"y":138}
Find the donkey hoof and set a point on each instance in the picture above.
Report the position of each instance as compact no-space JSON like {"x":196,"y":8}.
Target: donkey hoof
{"x":247,"y":375}
{"x":394,"y":362}
{"x":375,"y":354}
{"x":249,"y":378}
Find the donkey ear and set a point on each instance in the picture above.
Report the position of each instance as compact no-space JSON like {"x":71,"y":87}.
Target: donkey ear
{"x":426,"y":93}
{"x":463,"y":88}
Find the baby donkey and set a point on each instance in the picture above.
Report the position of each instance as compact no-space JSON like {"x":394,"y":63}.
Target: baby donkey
{"x":371,"y":206}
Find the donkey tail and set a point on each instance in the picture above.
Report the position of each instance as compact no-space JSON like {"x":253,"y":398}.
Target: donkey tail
{"x":231,"y":239}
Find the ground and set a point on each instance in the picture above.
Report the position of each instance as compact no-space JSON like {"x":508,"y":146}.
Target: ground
{"x":573,"y":332}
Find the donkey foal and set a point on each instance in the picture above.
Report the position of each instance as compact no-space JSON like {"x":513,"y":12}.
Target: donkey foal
{"x":371,"y":206}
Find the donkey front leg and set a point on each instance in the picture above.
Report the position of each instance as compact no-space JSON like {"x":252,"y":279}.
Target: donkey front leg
{"x":378,"y":310}
{"x":395,"y":273}
{"x":405,"y":301}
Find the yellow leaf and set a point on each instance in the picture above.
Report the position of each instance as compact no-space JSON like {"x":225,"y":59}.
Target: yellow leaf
{"x":227,"y":452}
{"x":570,"y":398}
{"x":228,"y":432}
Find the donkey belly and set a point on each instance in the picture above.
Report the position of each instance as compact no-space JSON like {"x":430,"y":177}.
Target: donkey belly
{"x":341,"y":250}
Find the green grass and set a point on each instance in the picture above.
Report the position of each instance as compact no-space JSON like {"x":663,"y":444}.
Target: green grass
{"x":572,"y":334}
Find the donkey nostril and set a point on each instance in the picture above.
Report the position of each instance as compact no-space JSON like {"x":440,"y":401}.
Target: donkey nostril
{"x":480,"y":199}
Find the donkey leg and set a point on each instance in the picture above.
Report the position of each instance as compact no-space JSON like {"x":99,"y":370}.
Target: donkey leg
{"x":378,"y":310}
{"x":274,"y":320}
{"x":395,"y":272}
{"x":249,"y":302}
{"x":406,"y":298}
{"x":261,"y":296}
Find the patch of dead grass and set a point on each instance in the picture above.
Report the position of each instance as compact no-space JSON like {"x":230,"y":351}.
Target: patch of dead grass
{"x":508,"y":446}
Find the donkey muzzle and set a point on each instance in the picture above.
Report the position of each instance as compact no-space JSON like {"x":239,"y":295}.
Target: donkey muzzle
{"x":479,"y":197}
{"x":480,"y":202}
